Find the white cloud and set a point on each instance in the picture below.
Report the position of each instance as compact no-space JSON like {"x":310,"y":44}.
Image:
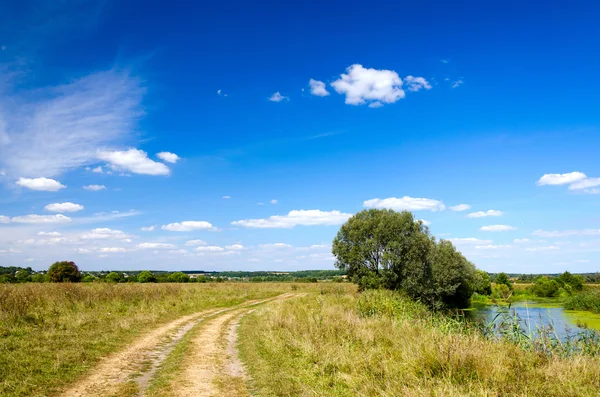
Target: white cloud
{"x":64,"y":207}
{"x":415,"y":84}
{"x":460,"y":207}
{"x":220,"y":92}
{"x":42,"y":184}
{"x":273,"y":201}
{"x":98,"y":170}
{"x":156,"y":246}
{"x":210,"y":248}
{"x":50,"y":234}
{"x":112,"y":250}
{"x":521,"y":240}
{"x":58,"y":218}
{"x":276,"y":245}
{"x":48,"y":241}
{"x":188,"y":226}
{"x":362,"y":85}
{"x":133,"y":160}
{"x":561,"y":179}
{"x":491,"y":247}
{"x":457,"y":83}
{"x":423,"y":221}
{"x":104,"y":233}
{"x":497,"y":228}
{"x":317,"y":88}
{"x":192,"y":243}
{"x":585,"y":184}
{"x":483,"y":214}
{"x":295,"y":218}
{"x":226,"y":197}
{"x":234,"y":247}
{"x":406,"y":203}
{"x":148,"y":228}
{"x":4,"y":219}
{"x":168,"y":157}
{"x":547,"y":248}
{"x":54,"y":129}
{"x":94,"y":188}
{"x":565,"y":233}
{"x":277,"y":97}
{"x":469,"y":241}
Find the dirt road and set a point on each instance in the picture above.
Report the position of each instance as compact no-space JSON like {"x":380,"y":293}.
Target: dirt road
{"x":210,"y":368}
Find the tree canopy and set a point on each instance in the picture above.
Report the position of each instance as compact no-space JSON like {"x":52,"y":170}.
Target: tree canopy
{"x":392,"y":250}
{"x":61,"y":272}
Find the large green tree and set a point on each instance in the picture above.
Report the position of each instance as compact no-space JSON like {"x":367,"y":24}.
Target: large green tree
{"x":389,"y":249}
{"x":61,"y":272}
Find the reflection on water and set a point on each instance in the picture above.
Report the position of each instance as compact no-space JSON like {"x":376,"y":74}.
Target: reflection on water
{"x":535,"y":316}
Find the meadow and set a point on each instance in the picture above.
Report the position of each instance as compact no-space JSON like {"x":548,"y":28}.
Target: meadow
{"x":50,"y":334}
{"x":323,"y":339}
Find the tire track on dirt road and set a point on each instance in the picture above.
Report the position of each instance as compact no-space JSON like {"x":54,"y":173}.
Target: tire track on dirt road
{"x":212,"y":367}
{"x":139,"y":361}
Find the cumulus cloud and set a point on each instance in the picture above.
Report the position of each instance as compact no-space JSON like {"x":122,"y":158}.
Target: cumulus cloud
{"x":4,"y":219}
{"x":156,"y":246}
{"x":49,"y":234}
{"x":497,"y":228}
{"x":148,"y":228}
{"x":406,"y":203}
{"x":193,"y":243}
{"x":277,"y":97}
{"x":483,"y":214}
{"x":541,"y":249}
{"x":42,"y":184}
{"x":491,"y":246}
{"x":188,"y":226}
{"x":415,"y":84}
{"x":58,"y":218}
{"x":168,"y":157}
{"x":469,"y":241}
{"x":317,"y":88}
{"x":234,"y":247}
{"x":133,"y":160}
{"x":98,"y":170}
{"x":585,"y":184}
{"x":561,"y":179}
{"x":460,"y":207}
{"x":104,"y":233}
{"x":64,"y":207}
{"x":565,"y":233}
{"x":58,"y":128}
{"x":276,"y":245}
{"x":112,"y":250}
{"x":521,"y":240}
{"x":296,"y":218}
{"x":273,"y":201}
{"x":361,"y":85}
{"x":210,"y":248}
{"x":94,"y":188}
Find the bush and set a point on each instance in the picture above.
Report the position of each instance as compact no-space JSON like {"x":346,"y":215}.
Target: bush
{"x":179,"y":277}
{"x":502,"y":278}
{"x":88,"y":278}
{"x":588,"y":300}
{"x":114,"y":277}
{"x":546,"y":287}
{"x":61,"y":272}
{"x":146,"y":277}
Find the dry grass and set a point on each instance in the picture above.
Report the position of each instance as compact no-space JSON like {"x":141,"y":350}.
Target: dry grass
{"x":330,"y":345}
{"x":50,"y":334}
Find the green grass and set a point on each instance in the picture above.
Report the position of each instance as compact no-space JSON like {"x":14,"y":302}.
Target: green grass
{"x":50,"y":334}
{"x":380,"y":344}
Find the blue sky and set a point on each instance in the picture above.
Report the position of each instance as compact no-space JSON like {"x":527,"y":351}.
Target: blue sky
{"x":222,"y":136}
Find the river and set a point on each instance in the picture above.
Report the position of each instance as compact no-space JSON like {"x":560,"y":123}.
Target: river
{"x":537,"y":314}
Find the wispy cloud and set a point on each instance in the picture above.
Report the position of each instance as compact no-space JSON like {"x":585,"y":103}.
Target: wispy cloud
{"x":51,"y":130}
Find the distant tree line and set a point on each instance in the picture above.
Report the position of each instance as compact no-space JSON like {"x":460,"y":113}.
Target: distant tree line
{"x":69,"y":272}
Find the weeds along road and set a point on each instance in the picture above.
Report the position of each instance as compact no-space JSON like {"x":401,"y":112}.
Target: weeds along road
{"x":209,"y":365}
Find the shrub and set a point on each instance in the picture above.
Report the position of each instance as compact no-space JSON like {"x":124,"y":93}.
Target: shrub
{"x":502,"y":278}
{"x":179,"y":277}
{"x":146,"y":277}
{"x":114,"y":277}
{"x":88,"y":278}
{"x":61,"y":272}
{"x":546,"y":287}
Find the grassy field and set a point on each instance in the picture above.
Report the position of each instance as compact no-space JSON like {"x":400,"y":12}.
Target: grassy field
{"x":50,"y":334}
{"x":340,"y":343}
